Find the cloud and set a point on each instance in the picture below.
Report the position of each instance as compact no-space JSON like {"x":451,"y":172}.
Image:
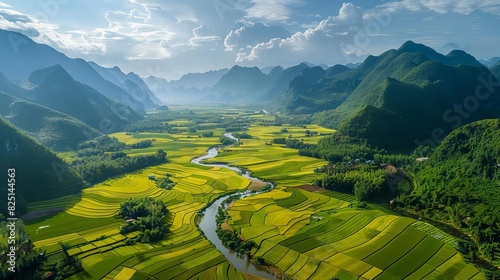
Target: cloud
{"x":46,"y":33}
{"x":442,"y":6}
{"x":250,"y":35}
{"x":319,"y":43}
{"x":271,"y":10}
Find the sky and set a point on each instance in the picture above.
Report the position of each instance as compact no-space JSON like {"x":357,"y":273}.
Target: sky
{"x":172,"y":37}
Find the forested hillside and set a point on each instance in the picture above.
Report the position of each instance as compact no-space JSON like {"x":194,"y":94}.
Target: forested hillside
{"x":39,"y":174}
{"x":460,"y":183}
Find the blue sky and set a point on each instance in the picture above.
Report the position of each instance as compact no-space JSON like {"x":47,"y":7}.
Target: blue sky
{"x":171,"y":37}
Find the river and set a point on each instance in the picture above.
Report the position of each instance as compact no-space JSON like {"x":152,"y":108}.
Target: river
{"x":208,"y":224}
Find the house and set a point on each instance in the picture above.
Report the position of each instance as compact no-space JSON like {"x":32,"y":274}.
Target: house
{"x":151,"y":177}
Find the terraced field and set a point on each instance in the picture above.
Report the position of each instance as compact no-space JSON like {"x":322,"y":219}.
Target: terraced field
{"x":312,"y":235}
{"x":308,"y":235}
{"x":275,"y":162}
{"x":87,"y":222}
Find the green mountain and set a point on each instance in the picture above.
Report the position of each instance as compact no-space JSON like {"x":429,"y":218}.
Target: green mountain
{"x":39,"y":174}
{"x":459,"y":184}
{"x":56,"y":89}
{"x":412,"y":94}
{"x":55,"y":130}
{"x":305,"y":93}
{"x":431,"y":98}
{"x":342,"y":91}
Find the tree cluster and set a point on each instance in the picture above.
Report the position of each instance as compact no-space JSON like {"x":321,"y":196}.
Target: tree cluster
{"x":243,"y":135}
{"x":98,"y":168}
{"x":226,"y":141}
{"x":145,"y":215}
{"x":142,"y":144}
{"x":231,"y":239}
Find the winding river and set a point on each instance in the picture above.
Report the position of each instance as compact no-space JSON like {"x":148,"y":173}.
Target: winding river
{"x":208,"y":224}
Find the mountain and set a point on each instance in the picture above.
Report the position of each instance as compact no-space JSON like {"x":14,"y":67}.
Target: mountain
{"x":39,"y":174}
{"x":13,"y":89}
{"x":278,"y":80}
{"x":130,"y":82}
{"x":490,"y":62}
{"x":56,"y":89}
{"x":21,"y":56}
{"x":315,"y":90}
{"x":430,"y":99}
{"x":53,"y":129}
{"x":187,"y":89}
{"x":268,"y":69}
{"x":248,"y":85}
{"x":240,"y":83}
{"x":411,"y":88}
{"x":358,"y":82}
{"x":495,"y":70}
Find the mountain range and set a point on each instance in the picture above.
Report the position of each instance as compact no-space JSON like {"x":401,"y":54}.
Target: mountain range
{"x":62,"y":101}
{"x":21,"y":56}
{"x":410,"y":93}
{"x":406,"y":93}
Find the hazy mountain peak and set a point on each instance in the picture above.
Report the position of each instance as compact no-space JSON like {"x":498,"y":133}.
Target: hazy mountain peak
{"x":410,"y":46}
{"x":52,"y":73}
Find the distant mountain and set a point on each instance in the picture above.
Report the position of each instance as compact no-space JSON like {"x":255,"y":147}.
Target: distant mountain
{"x":56,"y":89}
{"x":490,"y":62}
{"x":13,"y":89}
{"x":240,"y":83}
{"x":55,"y":130}
{"x":130,"y":82}
{"x":495,"y":70}
{"x":352,"y":65}
{"x":268,"y":69}
{"x":248,"y":85}
{"x":318,"y":90}
{"x":188,"y":88}
{"x":39,"y":174}
{"x":21,"y":56}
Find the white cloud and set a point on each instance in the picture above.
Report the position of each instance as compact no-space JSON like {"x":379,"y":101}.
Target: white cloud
{"x":320,"y":43}
{"x":443,"y":6}
{"x":47,"y":33}
{"x":250,"y":35}
{"x":3,"y":5}
{"x":271,"y":10}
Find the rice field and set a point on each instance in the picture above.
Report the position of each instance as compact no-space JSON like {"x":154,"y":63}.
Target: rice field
{"x":89,"y":226}
{"x":307,"y":235}
{"x":312,"y":235}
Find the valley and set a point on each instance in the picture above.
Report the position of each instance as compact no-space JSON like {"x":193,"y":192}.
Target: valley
{"x":227,"y":155}
{"x":301,"y":232}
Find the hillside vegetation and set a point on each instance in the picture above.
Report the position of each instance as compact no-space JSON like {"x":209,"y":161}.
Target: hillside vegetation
{"x":460,"y":182}
{"x":40,"y":174}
